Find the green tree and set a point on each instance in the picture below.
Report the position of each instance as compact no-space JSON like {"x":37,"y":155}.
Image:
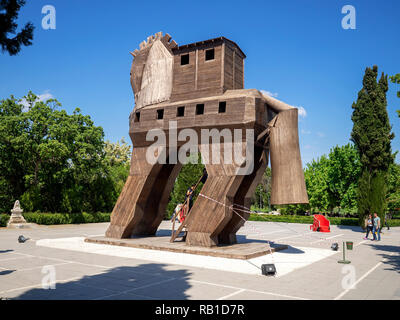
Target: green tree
{"x":118,"y":152}
{"x":393,"y":195}
{"x":189,"y":175}
{"x":331,"y":183}
{"x":12,"y":166}
{"x":343,"y":173}
{"x":8,"y":15}
{"x":316,"y":178}
{"x":52,"y":161}
{"x":117,"y":158}
{"x":262,"y":194}
{"x":372,"y":137}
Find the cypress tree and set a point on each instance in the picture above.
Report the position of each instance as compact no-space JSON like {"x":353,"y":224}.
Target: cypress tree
{"x":372,"y":137}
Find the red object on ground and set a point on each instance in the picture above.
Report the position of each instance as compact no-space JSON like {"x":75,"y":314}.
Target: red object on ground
{"x":320,"y":224}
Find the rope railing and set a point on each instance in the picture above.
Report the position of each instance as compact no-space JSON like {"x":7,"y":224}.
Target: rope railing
{"x":233,"y":210}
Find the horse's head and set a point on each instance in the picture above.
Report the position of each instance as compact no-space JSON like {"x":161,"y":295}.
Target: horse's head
{"x":152,"y":69}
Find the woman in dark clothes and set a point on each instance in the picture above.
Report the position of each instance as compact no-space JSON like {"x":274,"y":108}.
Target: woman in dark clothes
{"x":369,"y":225}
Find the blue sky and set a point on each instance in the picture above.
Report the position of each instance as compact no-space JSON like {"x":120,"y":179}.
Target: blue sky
{"x":296,"y":50}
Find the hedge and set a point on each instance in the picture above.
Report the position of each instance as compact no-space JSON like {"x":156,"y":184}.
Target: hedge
{"x":309,"y":220}
{"x":4,"y":219}
{"x":60,"y":218}
{"x":76,"y":218}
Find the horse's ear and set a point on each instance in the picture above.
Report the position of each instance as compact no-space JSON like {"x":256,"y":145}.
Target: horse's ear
{"x":134,"y":53}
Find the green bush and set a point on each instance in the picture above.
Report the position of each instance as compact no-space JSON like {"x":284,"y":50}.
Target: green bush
{"x":309,"y":220}
{"x":78,"y":218}
{"x":302,"y":219}
{"x":4,"y":219}
{"x":66,"y":218}
{"x":281,"y":218}
{"x":394,"y":223}
{"x":254,"y":208}
{"x":343,"y":221}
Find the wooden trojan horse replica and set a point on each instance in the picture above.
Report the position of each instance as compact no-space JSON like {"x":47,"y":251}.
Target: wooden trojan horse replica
{"x":201,"y":86}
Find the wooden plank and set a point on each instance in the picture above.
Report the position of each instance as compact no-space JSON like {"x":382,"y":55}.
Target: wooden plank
{"x":288,"y":186}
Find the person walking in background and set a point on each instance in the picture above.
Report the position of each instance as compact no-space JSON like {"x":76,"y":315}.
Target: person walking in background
{"x":377,"y":227}
{"x":388,"y":216}
{"x":369,"y":226}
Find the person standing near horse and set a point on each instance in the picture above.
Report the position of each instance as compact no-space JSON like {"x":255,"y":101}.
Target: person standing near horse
{"x":376,"y":228}
{"x":369,"y":225}
{"x":189,"y":197}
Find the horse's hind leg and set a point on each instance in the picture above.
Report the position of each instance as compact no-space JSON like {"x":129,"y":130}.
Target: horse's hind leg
{"x":243,"y":198}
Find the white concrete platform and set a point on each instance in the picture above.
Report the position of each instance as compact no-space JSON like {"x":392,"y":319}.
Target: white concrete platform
{"x":285,"y":261}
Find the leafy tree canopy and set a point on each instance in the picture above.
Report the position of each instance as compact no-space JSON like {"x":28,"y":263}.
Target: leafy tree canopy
{"x":262,"y":194}
{"x":54,"y":161}
{"x":118,"y":152}
{"x":332,"y":180}
{"x":189,"y":175}
{"x":393,"y":186}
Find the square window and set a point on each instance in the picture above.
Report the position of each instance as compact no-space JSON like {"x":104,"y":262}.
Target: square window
{"x":200,"y":108}
{"x":160,"y":114}
{"x":209,"y":54}
{"x":184,"y":59}
{"x":180,"y":112}
{"x":137,"y":116}
{"x":222,"y":107}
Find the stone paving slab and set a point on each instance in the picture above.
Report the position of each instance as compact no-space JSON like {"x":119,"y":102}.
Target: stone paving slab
{"x":85,"y":275}
{"x":285,"y":260}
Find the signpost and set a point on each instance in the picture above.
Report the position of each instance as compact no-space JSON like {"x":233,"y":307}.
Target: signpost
{"x":349,"y":246}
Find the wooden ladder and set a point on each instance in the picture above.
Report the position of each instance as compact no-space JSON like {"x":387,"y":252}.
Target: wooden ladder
{"x":176,"y":233}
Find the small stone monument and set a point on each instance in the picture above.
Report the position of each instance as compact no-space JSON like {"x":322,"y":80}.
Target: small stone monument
{"x":16,"y":219}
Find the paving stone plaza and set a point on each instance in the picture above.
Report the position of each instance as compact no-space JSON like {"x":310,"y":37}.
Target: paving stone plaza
{"x":56,"y":263}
